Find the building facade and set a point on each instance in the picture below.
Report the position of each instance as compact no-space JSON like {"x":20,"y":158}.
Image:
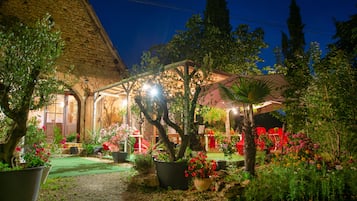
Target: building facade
{"x":88,"y":49}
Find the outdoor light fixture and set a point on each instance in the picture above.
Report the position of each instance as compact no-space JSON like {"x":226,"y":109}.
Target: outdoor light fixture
{"x":154,"y":91}
{"x":235,"y":111}
{"x":124,"y":103}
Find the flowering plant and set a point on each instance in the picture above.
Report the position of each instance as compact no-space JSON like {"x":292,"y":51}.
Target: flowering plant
{"x":227,"y":147}
{"x":200,"y":167}
{"x":36,"y":156}
{"x":32,"y":151}
{"x":114,"y":135}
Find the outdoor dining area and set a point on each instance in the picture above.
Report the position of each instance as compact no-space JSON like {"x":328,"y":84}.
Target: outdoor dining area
{"x":272,"y":139}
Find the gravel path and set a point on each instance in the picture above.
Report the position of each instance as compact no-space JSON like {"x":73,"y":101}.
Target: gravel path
{"x":114,"y":187}
{"x":99,"y":187}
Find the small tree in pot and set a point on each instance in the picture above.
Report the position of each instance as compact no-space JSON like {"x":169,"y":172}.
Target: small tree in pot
{"x":177,"y":92}
{"x":27,"y":78}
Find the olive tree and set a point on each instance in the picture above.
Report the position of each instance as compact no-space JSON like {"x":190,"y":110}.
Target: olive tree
{"x":178,"y":87}
{"x":27,"y":75}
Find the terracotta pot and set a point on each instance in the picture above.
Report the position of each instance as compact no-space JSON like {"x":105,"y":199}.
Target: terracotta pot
{"x":202,"y":184}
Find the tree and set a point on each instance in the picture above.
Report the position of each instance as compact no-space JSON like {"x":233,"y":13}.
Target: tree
{"x":297,"y":70}
{"x":232,"y":52}
{"x":248,"y":92}
{"x":178,"y":87}
{"x":27,"y":76}
{"x":347,"y":40}
{"x":217,"y":14}
{"x":331,"y":100}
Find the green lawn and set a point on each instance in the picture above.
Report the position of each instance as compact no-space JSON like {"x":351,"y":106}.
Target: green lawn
{"x":74,"y":166}
{"x":220,"y":156}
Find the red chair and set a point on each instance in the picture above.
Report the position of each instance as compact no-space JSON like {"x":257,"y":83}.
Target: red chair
{"x":240,"y":146}
{"x":260,"y":130}
{"x":212,"y":142}
{"x":260,"y":143}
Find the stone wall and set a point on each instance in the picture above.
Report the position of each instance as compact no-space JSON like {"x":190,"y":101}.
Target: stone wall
{"x":87,"y":47}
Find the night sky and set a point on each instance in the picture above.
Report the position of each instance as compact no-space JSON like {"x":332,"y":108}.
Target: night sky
{"x":135,"y":25}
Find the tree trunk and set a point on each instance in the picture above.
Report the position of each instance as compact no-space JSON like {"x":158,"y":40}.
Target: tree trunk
{"x":7,"y":149}
{"x":249,"y":143}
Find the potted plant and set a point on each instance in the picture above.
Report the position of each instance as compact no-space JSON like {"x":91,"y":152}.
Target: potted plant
{"x":26,"y":173}
{"x":173,"y":105}
{"x":35,"y":148}
{"x":201,"y":170}
{"x":113,"y":137}
{"x":27,"y":82}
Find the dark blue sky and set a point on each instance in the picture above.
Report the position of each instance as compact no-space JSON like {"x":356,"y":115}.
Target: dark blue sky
{"x":136,"y":25}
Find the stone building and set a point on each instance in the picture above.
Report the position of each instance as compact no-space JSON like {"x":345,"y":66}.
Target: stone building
{"x":87,"y":48}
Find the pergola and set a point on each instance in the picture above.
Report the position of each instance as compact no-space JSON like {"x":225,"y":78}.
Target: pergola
{"x":210,"y":96}
{"x":126,"y":89}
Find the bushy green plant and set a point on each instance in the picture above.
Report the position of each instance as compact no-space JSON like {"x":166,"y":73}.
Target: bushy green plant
{"x":34,"y":134}
{"x":89,"y":148}
{"x":58,"y":141}
{"x":72,"y":137}
{"x":300,"y":173}
{"x":276,"y":182}
{"x":5,"y":167}
{"x":143,"y":163}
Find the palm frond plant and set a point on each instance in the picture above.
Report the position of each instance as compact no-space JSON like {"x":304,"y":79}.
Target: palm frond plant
{"x":247,"y":92}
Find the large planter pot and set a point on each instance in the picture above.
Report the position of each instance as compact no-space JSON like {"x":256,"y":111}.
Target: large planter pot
{"x":202,"y":184}
{"x":119,"y":157}
{"x":45,"y":173}
{"x":221,"y":165}
{"x":20,"y":185}
{"x":172,"y":174}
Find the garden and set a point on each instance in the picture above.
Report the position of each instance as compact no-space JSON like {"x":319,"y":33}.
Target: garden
{"x":313,"y":158}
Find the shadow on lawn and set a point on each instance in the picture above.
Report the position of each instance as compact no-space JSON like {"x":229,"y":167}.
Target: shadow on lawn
{"x":75,"y":166}
{"x":84,"y":168}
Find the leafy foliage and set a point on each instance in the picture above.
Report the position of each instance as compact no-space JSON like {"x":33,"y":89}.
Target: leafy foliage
{"x":27,"y":74}
{"x":331,"y":100}
{"x":275,"y":182}
{"x":248,"y":92}
{"x":236,"y":52}
{"x":200,"y":167}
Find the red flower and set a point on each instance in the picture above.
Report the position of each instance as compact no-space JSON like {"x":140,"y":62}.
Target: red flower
{"x":200,"y":167}
{"x":105,"y":146}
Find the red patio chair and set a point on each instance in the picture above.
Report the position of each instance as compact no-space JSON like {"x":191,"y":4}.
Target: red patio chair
{"x":240,"y":146}
{"x":260,"y":143}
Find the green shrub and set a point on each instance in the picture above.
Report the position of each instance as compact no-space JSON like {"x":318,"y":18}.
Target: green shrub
{"x":277,"y":182}
{"x":143,"y":163}
{"x":72,"y":137}
{"x":89,"y":148}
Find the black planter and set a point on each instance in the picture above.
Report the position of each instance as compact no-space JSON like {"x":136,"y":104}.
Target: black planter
{"x":73,"y":150}
{"x":221,"y":165}
{"x":172,"y":175}
{"x":20,"y":185}
{"x":119,"y":157}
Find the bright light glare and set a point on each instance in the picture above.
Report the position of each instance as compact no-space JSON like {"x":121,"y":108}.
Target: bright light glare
{"x":154,"y":91}
{"x":146,"y":87}
{"x":124,"y":103}
{"x":235,"y":111}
